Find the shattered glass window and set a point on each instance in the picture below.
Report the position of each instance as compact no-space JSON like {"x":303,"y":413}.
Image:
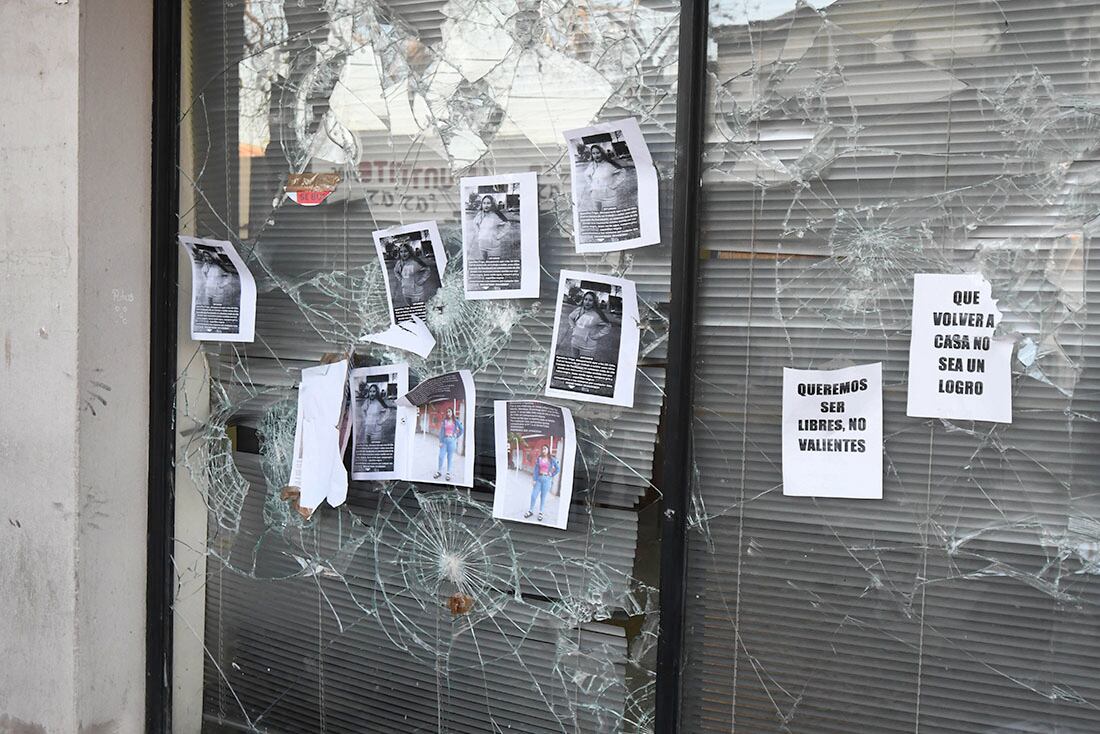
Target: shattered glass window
{"x":850,"y":145}
{"x":347,"y":621}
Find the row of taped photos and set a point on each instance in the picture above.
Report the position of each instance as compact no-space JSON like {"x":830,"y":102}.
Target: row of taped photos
{"x":615,"y":207}
{"x":425,"y":435}
{"x":959,"y":369}
{"x":595,"y":338}
{"x":594,"y":352}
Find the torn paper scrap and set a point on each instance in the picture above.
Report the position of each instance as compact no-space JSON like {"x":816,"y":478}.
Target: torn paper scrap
{"x":832,"y":432}
{"x":265,"y":60}
{"x":595,"y":343}
{"x":310,"y":189}
{"x":318,"y":469}
{"x":957,"y":368}
{"x":411,"y":336}
{"x":223,"y":292}
{"x":376,"y":452}
{"x":440,"y":437}
{"x":614,"y":187}
{"x":500,"y":236}
{"x":535,"y":445}
{"x":413,"y":262}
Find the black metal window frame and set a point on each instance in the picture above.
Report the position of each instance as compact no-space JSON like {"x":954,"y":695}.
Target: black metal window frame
{"x":160,"y":579}
{"x":675,"y":430}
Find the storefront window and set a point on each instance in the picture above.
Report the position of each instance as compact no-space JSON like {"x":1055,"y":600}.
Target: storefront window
{"x":850,"y":146}
{"x":409,"y":607}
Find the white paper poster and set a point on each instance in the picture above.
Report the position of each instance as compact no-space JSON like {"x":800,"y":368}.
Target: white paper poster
{"x":536,"y":446}
{"x":500,"y":236}
{"x":320,"y":436}
{"x":440,"y":430}
{"x":957,"y":368}
{"x":595,"y":342}
{"x":376,"y":452}
{"x":223,"y":292}
{"x":615,"y":203}
{"x":832,"y":432}
{"x":413,"y":262}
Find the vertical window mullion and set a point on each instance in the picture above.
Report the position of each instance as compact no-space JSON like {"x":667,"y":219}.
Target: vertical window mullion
{"x":676,"y":475}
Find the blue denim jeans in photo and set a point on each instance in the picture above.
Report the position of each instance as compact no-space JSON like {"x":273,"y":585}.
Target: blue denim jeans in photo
{"x":539,"y":491}
{"x":446,"y":448}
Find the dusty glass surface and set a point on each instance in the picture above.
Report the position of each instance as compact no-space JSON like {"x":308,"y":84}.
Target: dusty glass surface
{"x":342,"y":622}
{"x":851,"y":144}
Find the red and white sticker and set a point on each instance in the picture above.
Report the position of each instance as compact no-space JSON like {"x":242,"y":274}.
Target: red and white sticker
{"x":310,"y":189}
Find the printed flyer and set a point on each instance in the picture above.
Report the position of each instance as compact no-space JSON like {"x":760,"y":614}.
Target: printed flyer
{"x":832,"y":432}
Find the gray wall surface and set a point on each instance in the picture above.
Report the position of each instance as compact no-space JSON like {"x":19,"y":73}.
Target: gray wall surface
{"x":75,"y":88}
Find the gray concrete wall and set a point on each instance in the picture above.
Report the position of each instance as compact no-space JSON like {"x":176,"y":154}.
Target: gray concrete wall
{"x":74,"y":323}
{"x":113,"y":279}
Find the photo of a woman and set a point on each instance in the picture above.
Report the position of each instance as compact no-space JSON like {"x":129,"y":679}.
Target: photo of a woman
{"x":376,"y":451}
{"x":604,"y":177}
{"x":535,"y":454}
{"x":223,"y":292}
{"x":440,"y":437}
{"x":545,"y":469}
{"x":614,"y":188}
{"x":588,"y":334}
{"x":376,"y":412}
{"x":500,"y":233}
{"x":450,"y":431}
{"x":413,"y":260}
{"x":589,"y":325}
{"x":491,"y":230}
{"x":411,"y":276}
{"x":220,"y":283}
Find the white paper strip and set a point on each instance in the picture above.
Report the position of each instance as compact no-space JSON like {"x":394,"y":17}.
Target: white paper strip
{"x":320,"y":436}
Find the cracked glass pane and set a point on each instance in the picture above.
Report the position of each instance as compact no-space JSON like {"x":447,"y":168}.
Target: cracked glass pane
{"x":409,"y":608}
{"x":849,"y":146}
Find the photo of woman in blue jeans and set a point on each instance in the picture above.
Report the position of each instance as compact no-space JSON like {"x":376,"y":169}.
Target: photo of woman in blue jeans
{"x":450,"y":430}
{"x":546,"y":468}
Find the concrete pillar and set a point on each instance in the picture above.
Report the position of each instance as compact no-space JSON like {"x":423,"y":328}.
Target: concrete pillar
{"x":75,"y":85}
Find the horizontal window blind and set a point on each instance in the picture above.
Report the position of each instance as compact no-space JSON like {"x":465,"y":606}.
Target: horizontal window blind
{"x":333,"y":624}
{"x":849,"y":147}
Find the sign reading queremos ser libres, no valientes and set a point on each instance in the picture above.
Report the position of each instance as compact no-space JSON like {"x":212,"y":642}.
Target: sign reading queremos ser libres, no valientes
{"x":832,"y":432}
